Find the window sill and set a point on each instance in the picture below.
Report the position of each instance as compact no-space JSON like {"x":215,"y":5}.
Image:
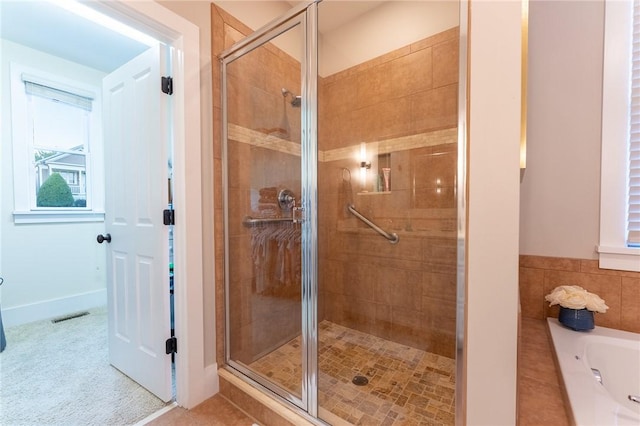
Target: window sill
{"x":57,"y":216}
{"x":619,"y":258}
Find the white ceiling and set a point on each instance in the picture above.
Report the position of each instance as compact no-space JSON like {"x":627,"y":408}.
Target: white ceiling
{"x":43,"y":26}
{"x":334,"y":13}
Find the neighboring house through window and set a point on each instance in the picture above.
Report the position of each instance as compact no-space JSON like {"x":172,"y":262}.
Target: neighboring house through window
{"x":619,"y":246}
{"x":57,"y":149}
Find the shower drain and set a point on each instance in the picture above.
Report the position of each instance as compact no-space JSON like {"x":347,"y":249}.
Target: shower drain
{"x":360,"y":381}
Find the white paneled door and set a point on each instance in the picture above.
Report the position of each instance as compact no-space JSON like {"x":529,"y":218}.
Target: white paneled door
{"x":136,"y":156}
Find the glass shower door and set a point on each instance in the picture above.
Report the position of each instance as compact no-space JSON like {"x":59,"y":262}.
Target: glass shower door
{"x":262,"y":84}
{"x":349,"y":321}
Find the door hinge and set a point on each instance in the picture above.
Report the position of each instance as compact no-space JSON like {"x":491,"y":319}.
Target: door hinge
{"x":171,"y":345}
{"x":169,"y":217}
{"x":167,"y":85}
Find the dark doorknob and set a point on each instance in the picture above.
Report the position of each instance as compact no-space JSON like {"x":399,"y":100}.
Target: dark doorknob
{"x":102,"y":238}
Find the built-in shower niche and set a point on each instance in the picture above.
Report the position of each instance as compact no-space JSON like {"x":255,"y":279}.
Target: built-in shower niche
{"x":374,"y":173}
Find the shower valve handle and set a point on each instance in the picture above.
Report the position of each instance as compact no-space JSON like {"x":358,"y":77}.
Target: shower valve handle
{"x":286,"y":200}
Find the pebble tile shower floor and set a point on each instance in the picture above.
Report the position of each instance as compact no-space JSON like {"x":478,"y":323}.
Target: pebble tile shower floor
{"x":406,"y":386}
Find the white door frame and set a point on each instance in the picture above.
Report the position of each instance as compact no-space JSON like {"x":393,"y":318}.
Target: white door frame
{"x":195,"y":381}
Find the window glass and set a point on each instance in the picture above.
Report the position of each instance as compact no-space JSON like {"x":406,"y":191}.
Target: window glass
{"x":59,"y":140}
{"x":56,"y":125}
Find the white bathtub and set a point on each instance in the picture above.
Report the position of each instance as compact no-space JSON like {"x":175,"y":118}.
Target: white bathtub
{"x":615,"y":355}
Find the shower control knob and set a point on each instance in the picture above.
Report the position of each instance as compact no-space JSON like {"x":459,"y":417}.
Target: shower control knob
{"x":101,"y":238}
{"x":286,"y":200}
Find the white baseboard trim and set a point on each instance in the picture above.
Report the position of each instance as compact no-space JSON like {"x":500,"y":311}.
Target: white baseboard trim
{"x":24,"y":314}
{"x":201,"y":387}
{"x":212,"y":379}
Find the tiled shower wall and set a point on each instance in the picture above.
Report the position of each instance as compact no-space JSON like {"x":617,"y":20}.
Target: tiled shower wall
{"x":620,"y":290}
{"x":408,"y":91}
{"x":404,"y":292}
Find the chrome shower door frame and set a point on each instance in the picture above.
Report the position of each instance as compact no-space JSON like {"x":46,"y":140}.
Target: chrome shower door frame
{"x":304,"y":15}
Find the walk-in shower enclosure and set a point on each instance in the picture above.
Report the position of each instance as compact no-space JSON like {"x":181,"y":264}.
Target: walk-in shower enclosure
{"x":340,"y":200}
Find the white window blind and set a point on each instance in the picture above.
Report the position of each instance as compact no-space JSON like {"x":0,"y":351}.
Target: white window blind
{"x":39,"y":87}
{"x":633,"y":208}
{"x":616,"y":248}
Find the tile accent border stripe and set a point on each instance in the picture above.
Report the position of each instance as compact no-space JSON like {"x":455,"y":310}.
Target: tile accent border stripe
{"x":259,"y":139}
{"x":421,"y":140}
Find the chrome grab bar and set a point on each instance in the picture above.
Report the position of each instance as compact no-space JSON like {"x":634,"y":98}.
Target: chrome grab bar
{"x":252,"y":221}
{"x":393,"y":238}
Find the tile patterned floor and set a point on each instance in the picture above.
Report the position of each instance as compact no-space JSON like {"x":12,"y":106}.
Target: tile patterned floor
{"x":406,"y":386}
{"x":539,"y":397}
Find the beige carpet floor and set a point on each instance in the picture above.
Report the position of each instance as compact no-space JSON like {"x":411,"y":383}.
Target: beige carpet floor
{"x":59,"y":374}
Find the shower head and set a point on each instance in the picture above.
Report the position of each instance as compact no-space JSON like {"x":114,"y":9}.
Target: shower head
{"x":296,"y":101}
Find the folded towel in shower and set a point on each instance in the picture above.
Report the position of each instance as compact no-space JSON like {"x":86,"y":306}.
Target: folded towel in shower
{"x":269,"y":191}
{"x":268,"y":196}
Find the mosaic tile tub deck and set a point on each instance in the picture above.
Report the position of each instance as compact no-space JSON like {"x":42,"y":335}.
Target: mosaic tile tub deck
{"x":406,"y":386}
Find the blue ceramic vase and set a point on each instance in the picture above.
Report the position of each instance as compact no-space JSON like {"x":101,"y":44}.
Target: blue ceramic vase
{"x":576,"y":319}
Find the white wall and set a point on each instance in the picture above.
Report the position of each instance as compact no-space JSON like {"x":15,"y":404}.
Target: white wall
{"x":492,"y":238}
{"x":49,"y":269}
{"x":199,"y":13}
{"x":561,"y":185}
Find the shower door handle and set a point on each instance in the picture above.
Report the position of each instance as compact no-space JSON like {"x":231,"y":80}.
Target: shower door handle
{"x":297,"y":214}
